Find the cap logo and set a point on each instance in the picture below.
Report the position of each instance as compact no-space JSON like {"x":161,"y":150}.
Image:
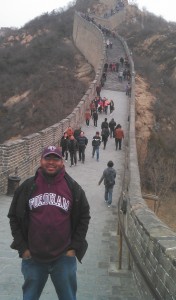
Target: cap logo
{"x":52,"y":148}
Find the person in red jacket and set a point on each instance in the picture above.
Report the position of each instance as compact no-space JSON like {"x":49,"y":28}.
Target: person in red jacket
{"x":87,"y":116}
{"x":119,"y":135}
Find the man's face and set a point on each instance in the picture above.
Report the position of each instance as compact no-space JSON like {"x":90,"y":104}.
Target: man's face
{"x":51,"y":164}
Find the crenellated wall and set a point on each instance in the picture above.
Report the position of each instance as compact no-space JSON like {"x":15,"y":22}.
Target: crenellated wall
{"x":153,"y":242}
{"x":24,"y":154}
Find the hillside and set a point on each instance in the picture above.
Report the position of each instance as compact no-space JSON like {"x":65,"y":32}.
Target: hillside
{"x":43,"y":76}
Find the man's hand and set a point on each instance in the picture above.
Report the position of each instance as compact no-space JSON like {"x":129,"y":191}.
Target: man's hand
{"x":70,"y":253}
{"x":26,"y":254}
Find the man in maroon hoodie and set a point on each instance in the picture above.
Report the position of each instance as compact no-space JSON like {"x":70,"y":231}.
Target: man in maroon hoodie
{"x":49,"y":217}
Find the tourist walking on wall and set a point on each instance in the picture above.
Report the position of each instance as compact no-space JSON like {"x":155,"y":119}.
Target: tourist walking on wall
{"x":112,"y":125}
{"x":120,"y":75}
{"x":104,"y":124}
{"x":82,"y":143}
{"x":73,"y":148}
{"x":92,"y":106}
{"x":105,"y":134}
{"x":107,"y":43}
{"x":119,"y":135}
{"x":109,"y":175}
{"x":104,"y":76}
{"x":64,"y":145}
{"x":77,"y":132}
{"x":106,"y":103}
{"x":69,"y":131}
{"x":106,"y":67}
{"x":98,"y":90}
{"x":122,"y":61}
{"x":96,"y":142}
{"x":87,"y":117}
{"x":128,"y":89}
{"x":49,"y":217}
{"x":95,"y":117}
{"x":111,"y":106}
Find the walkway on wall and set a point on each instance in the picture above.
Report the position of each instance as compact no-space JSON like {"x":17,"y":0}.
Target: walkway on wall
{"x":98,"y":275}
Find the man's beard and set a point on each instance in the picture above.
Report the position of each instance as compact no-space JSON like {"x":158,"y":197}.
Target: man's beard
{"x":50,"y":176}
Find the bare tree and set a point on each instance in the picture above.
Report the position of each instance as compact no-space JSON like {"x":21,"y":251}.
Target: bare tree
{"x":159,"y":173}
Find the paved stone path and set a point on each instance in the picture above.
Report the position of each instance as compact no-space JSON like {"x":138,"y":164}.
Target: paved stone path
{"x":98,"y":275}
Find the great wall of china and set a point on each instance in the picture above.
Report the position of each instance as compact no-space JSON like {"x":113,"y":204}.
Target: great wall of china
{"x":152,"y":242}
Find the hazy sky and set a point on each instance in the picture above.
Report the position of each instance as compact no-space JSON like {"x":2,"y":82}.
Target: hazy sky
{"x":164,"y":8}
{"x":15,"y":13}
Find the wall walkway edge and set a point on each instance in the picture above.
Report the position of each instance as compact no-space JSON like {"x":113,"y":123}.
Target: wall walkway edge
{"x":153,"y":242}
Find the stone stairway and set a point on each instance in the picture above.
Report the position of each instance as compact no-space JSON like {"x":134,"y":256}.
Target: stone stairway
{"x":114,"y":55}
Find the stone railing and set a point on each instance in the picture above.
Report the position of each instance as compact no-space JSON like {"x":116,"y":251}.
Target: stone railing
{"x":152,"y":242}
{"x":23,"y":155}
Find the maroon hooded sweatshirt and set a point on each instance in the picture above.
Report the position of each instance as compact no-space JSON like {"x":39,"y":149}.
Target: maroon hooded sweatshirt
{"x":49,"y":218}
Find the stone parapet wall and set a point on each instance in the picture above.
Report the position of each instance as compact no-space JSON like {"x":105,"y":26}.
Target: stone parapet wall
{"x":24,"y":155}
{"x":90,"y":41}
{"x":152,"y":242}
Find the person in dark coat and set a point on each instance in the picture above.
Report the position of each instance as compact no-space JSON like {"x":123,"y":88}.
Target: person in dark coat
{"x":106,"y":67}
{"x":112,"y":125}
{"x":77,"y":132}
{"x":96,"y":142}
{"x":95,"y":117}
{"x":82,"y":143}
{"x":73,"y":148}
{"x":111,"y":106}
{"x":105,"y":135}
{"x":104,"y":124}
{"x":49,"y":217}
{"x":109,"y":175}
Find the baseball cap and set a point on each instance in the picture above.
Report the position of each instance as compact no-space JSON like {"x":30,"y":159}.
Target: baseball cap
{"x":51,"y":150}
